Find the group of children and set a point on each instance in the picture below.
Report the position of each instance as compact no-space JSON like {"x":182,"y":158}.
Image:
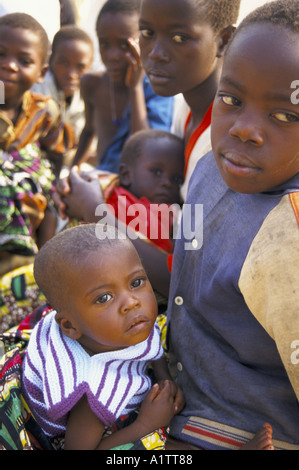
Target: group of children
{"x":228,"y":380}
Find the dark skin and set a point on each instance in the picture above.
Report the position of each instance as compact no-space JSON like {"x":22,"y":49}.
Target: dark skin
{"x":120,"y":85}
{"x":111,"y":307}
{"x":162,"y":49}
{"x":22,"y":65}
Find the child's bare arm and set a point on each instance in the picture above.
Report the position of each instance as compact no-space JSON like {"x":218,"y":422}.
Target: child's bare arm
{"x":134,"y":81}
{"x":84,"y":430}
{"x":87,"y":133}
{"x":156,"y":411}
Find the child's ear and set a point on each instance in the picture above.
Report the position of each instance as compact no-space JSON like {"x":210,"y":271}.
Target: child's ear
{"x":223,"y":39}
{"x":44,"y":70}
{"x":125,"y":175}
{"x":67,"y":327}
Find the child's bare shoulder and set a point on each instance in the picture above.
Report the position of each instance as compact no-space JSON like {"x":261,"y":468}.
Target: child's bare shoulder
{"x":92,"y":80}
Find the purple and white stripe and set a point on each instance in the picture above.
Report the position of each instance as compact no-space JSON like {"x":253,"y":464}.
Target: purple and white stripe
{"x":57,"y":372}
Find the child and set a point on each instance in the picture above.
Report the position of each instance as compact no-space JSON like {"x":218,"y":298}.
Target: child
{"x":119,"y":101}
{"x":241,"y":303}
{"x":29,"y":124}
{"x":151,"y":172}
{"x":71,"y":57}
{"x":26,"y":117}
{"x":105,"y":321}
{"x":187,"y":61}
{"x":181,"y":45}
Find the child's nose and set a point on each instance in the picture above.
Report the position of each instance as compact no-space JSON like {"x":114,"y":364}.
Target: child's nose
{"x":247,"y":128}
{"x":73,"y":73}
{"x":166,"y":181}
{"x":158,"y":51}
{"x":10,"y":64}
{"x":128,"y":303}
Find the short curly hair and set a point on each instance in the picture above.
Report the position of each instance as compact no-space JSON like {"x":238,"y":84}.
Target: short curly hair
{"x":128,"y":7}
{"x":27,"y":22}
{"x":219,"y":13}
{"x":283,"y":13}
{"x":134,"y":145}
{"x":71,"y":33}
{"x":68,"y":248}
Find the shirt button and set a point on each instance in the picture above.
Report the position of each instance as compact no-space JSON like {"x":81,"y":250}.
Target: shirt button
{"x":179,"y":300}
{"x":194,"y":243}
{"x":179,"y":366}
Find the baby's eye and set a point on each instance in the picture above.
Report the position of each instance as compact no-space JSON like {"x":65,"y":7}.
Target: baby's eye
{"x":156,"y":171}
{"x":102,"y":299}
{"x":178,"y":180}
{"x":138,"y":282}
{"x":230,"y":100}
{"x":286,"y":117}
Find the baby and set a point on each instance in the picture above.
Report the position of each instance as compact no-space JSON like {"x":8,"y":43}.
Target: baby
{"x":104,"y":321}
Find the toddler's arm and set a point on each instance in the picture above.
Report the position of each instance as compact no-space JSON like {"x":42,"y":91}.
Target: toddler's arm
{"x":84,"y":430}
{"x":162,"y":374}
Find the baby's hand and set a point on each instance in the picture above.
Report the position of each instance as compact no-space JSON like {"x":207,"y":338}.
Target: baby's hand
{"x":179,"y":400}
{"x":157,"y":409}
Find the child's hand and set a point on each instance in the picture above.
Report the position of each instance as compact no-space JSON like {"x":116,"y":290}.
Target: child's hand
{"x":179,"y":400}
{"x":78,"y":196}
{"x":135,"y":71}
{"x":157,"y":409}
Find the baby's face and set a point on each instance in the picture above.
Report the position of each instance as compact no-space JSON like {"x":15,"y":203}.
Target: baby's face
{"x":255,"y":123}
{"x":112,"y":303}
{"x":71,"y":60}
{"x":159,"y":172}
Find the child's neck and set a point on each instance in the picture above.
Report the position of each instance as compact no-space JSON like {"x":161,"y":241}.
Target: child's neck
{"x":201,"y":97}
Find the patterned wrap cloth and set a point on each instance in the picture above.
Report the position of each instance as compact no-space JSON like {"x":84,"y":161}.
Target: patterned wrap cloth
{"x":18,"y":427}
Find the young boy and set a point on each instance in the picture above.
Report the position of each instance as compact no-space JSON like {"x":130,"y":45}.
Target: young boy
{"x":120,"y":100}
{"x":105,"y":321}
{"x":181,"y":46}
{"x":71,"y":57}
{"x":239,"y":311}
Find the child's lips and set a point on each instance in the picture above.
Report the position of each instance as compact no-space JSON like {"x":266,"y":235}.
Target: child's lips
{"x":137,"y":324}
{"x":158,"y":77}
{"x":238,"y":163}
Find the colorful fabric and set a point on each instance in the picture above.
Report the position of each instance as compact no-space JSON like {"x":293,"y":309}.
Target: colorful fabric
{"x":199,"y":143}
{"x":221,"y":437}
{"x":26,"y":187}
{"x":38,"y":122}
{"x":18,"y":428}
{"x":119,"y":386}
{"x":159,"y":114}
{"x":19,"y":296}
{"x":149,"y":225}
{"x":234,"y":323}
{"x":73,"y":113}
